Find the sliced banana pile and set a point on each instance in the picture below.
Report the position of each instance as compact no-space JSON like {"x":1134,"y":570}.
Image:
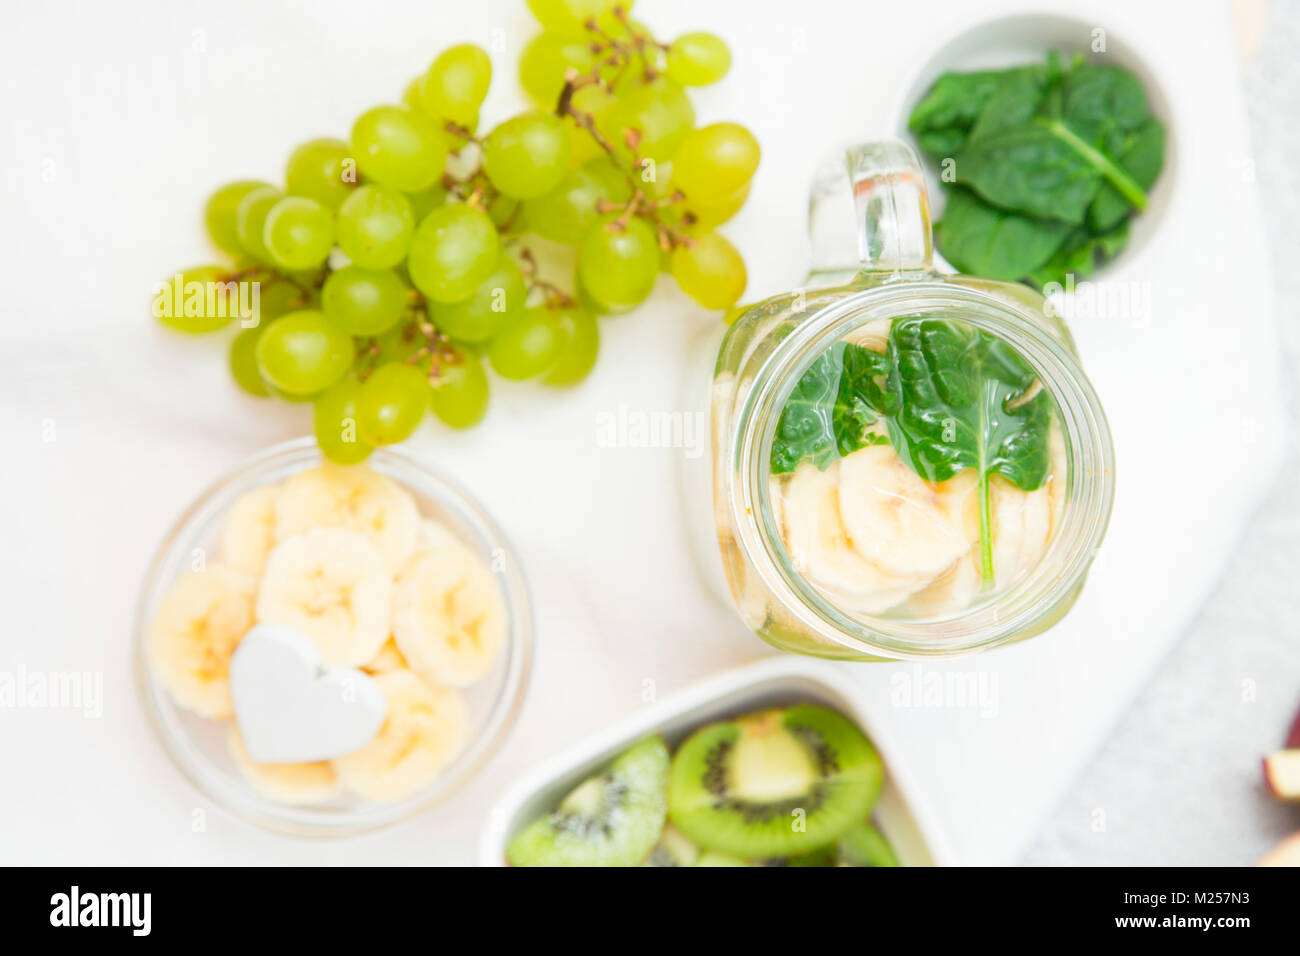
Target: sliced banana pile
{"x":342,"y":554}
{"x":873,"y":536}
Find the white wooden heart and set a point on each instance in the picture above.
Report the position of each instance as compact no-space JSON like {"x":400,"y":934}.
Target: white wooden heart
{"x":290,"y":709}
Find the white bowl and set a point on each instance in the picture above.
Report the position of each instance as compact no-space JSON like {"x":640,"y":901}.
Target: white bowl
{"x":1023,"y":38}
{"x":899,"y":814}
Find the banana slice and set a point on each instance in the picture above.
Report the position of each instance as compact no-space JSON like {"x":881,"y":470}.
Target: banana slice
{"x":873,"y":335}
{"x":249,"y":533}
{"x":388,"y":659}
{"x":432,"y":534}
{"x":353,"y":497}
{"x":449,"y":621}
{"x":894,"y":518}
{"x":822,"y":550}
{"x":953,"y":591}
{"x":195,"y":630}
{"x":1020,"y":522}
{"x":425,"y":729}
{"x":333,"y":585}
{"x":292,"y":783}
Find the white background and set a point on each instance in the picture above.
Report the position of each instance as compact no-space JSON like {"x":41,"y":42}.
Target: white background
{"x":119,"y":119}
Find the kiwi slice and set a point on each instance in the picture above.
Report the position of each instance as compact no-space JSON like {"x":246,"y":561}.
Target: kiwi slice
{"x":673,"y":849}
{"x":611,"y":819}
{"x":777,"y":783}
{"x":714,"y":858}
{"x":865,"y":846}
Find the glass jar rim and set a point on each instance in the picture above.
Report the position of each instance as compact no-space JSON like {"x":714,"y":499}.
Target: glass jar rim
{"x":1014,"y":612}
{"x":219,"y":785}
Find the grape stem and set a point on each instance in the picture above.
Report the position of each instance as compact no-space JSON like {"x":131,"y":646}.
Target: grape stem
{"x":555,"y":296}
{"x":639,"y":204}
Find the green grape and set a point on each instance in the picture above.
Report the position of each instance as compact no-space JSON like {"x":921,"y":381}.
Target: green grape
{"x":527,"y":345}
{"x":504,"y":213}
{"x":334,"y":422}
{"x":456,"y":83}
{"x":391,"y":403}
{"x":243,"y":362}
{"x":277,"y":297}
{"x":454,"y":249}
{"x":527,"y":155}
{"x":374,"y":226}
{"x":698,"y":59}
{"x":544,"y":61}
{"x":460,"y":391}
{"x":714,"y":162}
{"x":250,"y":220}
{"x":709,"y":215}
{"x":570,"y":16}
{"x":323,"y":170}
{"x":427,"y":200}
{"x":299,"y":233}
{"x":611,"y":177}
{"x":196,"y":300}
{"x":659,"y":109}
{"x":363,"y":301}
{"x":618,"y":266}
{"x":709,"y":270}
{"x":601,"y":106}
{"x":398,"y":344}
{"x":567,"y":212}
{"x":303,"y":353}
{"x":498,"y":298}
{"x":396,"y":147}
{"x":581,"y":342}
{"x":221,"y":214}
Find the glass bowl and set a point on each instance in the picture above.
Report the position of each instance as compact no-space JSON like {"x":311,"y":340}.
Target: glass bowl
{"x":198,"y":745}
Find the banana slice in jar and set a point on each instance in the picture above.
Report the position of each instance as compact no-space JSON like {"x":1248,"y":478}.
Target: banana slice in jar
{"x":894,"y":518}
{"x":425,"y":729}
{"x":449,"y":620}
{"x":334,"y":586}
{"x":354,"y":497}
{"x":194,"y":632}
{"x":1020,"y":522}
{"x":249,"y":532}
{"x":290,"y":783}
{"x":822,"y":549}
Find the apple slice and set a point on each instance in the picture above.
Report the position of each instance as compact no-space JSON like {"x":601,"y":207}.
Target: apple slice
{"x":1293,"y":736}
{"x":1286,"y":853}
{"x":1282,"y":774}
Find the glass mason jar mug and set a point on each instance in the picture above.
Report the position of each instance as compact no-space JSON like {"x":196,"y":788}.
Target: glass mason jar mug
{"x":904,"y":464}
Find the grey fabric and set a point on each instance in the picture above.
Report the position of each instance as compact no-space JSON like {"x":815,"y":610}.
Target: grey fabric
{"x":1179,"y":780}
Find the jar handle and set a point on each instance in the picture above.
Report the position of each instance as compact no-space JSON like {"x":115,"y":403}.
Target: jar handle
{"x":868,"y":212}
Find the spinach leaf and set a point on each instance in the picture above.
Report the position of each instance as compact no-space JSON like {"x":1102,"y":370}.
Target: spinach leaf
{"x":1036,"y":147}
{"x":983,"y":240}
{"x":1141,"y":153}
{"x":942,"y":120}
{"x":1030,"y":168}
{"x":962,"y":402}
{"x":832,"y":405}
{"x":1081,"y":253}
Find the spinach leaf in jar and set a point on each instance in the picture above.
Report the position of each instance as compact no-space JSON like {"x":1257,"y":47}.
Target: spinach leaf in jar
{"x":966,"y":399}
{"x":831,"y":409}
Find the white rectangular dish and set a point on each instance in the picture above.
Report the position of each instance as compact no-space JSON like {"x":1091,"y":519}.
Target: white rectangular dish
{"x":900,"y":813}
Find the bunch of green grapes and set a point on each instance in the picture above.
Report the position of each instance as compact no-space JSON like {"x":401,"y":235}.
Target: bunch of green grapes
{"x":394,"y":268}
